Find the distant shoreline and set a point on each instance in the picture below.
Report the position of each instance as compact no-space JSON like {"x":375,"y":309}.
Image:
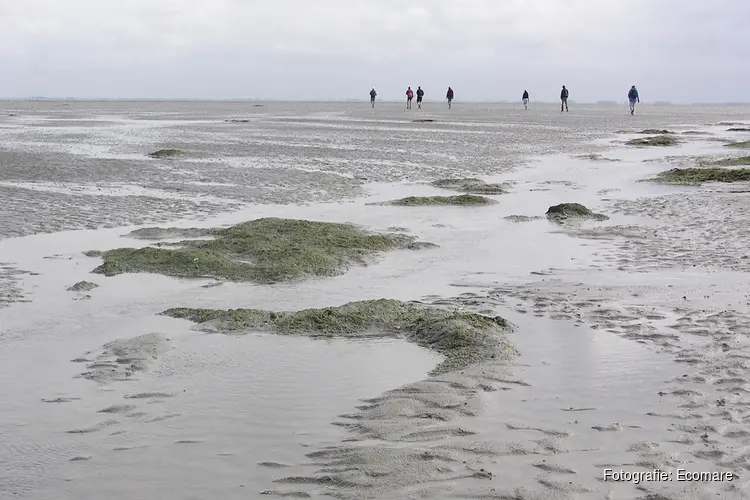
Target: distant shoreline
{"x":346,"y":101}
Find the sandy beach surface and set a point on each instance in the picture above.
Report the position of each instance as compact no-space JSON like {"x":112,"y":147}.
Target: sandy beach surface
{"x":518,"y":356}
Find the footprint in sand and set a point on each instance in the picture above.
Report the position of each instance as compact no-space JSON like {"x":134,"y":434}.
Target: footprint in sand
{"x":94,"y":428}
{"x":149,"y":395}
{"x":118,"y":409}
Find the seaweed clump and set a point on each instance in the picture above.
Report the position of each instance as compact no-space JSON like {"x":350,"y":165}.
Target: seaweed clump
{"x":565,"y":211}
{"x":696,"y":176}
{"x":654,"y":131}
{"x":82,"y":286}
{"x":266,"y":250}
{"x":464,"y":338}
{"x":460,"y":200}
{"x":739,"y":145}
{"x":659,"y":140}
{"x":732,"y":162}
{"x":167,"y":153}
{"x":470,"y":185}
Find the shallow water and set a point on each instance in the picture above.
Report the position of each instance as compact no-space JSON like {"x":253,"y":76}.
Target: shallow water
{"x":249,"y":399}
{"x":238,"y":401}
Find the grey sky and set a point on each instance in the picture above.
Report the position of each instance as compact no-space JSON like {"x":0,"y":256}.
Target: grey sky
{"x":673,"y":50}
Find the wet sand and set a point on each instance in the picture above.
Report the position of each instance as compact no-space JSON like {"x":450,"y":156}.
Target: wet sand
{"x":632,"y":331}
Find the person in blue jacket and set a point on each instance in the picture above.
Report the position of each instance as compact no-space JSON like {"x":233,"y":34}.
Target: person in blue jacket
{"x":633,"y":98}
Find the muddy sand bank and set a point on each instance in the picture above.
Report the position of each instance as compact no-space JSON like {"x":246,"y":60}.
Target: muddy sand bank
{"x":617,"y":368}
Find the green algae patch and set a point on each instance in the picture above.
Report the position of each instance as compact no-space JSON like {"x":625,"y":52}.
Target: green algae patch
{"x":470,"y":185}
{"x":269,"y":250}
{"x":654,"y":131}
{"x":739,"y":145}
{"x":521,"y":218}
{"x":697,"y":176}
{"x":167,"y":153}
{"x":567,"y":211}
{"x":165,"y":233}
{"x":732,"y":162}
{"x":595,"y":157}
{"x":659,"y":140}
{"x":464,"y":338}
{"x":460,"y":200}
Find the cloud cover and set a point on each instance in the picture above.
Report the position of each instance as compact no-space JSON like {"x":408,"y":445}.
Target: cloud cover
{"x":674,"y":50}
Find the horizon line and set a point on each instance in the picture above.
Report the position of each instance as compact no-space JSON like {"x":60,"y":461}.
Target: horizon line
{"x":340,"y":101}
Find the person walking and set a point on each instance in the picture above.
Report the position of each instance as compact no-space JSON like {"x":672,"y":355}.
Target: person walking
{"x":449,"y":96}
{"x":564,"y":99}
{"x":525,"y":99}
{"x":633,"y":98}
{"x":409,"y":97}
{"x":420,"y":95}
{"x":373,"y":94}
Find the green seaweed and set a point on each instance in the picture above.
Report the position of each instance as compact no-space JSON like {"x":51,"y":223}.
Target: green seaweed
{"x":739,"y":144}
{"x":470,"y":185}
{"x":464,"y":338}
{"x":266,"y":250}
{"x":697,"y":176}
{"x":565,"y":211}
{"x":732,"y":162}
{"x":460,"y":200}
{"x":659,"y":140}
{"x":166,"y":153}
{"x":655,"y":131}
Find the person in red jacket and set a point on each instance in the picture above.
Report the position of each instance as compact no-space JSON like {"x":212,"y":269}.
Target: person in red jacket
{"x":409,"y":97}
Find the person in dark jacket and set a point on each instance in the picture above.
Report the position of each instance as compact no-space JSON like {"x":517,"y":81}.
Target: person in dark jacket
{"x":373,"y":94}
{"x":564,"y":99}
{"x":449,"y":96}
{"x":420,"y":95}
{"x":525,"y":99}
{"x":633,"y":97}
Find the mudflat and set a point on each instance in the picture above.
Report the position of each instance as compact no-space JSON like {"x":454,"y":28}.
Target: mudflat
{"x":193,"y":297}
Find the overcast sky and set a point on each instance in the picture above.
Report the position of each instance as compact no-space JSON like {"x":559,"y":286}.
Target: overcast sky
{"x":673,"y":50}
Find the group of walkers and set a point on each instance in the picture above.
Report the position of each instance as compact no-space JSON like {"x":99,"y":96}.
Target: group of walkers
{"x":633,"y":98}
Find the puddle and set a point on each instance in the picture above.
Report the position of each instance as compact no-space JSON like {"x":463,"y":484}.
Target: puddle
{"x":235,"y":401}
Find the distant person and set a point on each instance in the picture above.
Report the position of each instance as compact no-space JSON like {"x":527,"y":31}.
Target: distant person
{"x":449,"y":96}
{"x":373,"y":95}
{"x":409,"y":97}
{"x":420,"y":95}
{"x":564,"y":99}
{"x":633,"y":97}
{"x":525,"y":99}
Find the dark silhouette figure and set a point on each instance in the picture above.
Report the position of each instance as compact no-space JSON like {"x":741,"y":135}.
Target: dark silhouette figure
{"x":564,"y":99}
{"x":525,"y":99}
{"x":409,"y":97}
{"x":420,"y":95}
{"x":449,"y":96}
{"x":633,"y":98}
{"x":373,"y":94}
